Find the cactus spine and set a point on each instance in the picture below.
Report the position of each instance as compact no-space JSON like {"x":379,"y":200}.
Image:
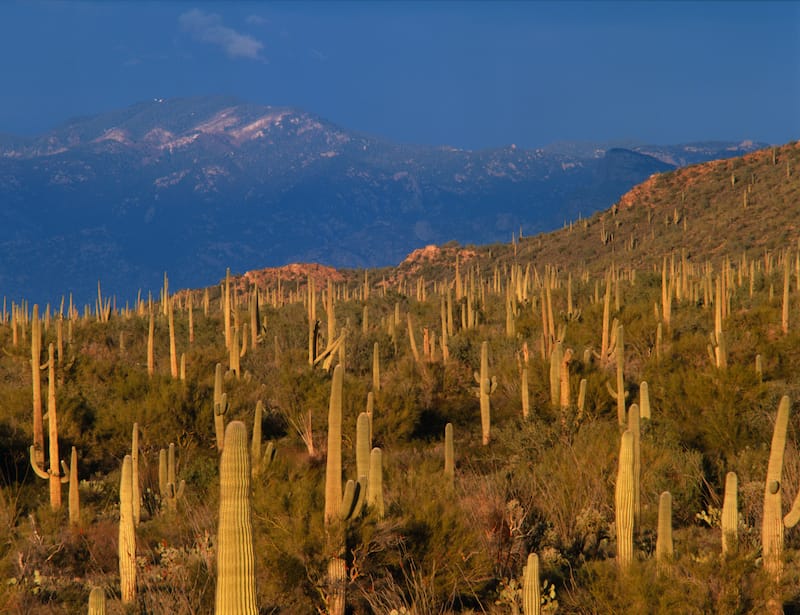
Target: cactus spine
{"x":531,"y":587}
{"x":127,"y":535}
{"x":730,"y":515}
{"x":236,"y":585}
{"x":624,"y":502}
{"x":486,"y":387}
{"x":664,"y":551}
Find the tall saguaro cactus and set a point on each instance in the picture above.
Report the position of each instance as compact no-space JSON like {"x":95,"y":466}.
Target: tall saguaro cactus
{"x":127,"y":535}
{"x":730,"y":514}
{"x":54,"y":473}
{"x":774,"y":520}
{"x":36,"y":357}
{"x":486,"y":386}
{"x":624,"y":502}
{"x":236,"y":583}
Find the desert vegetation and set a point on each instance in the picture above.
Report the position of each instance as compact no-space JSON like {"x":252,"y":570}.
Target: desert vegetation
{"x":510,"y":429}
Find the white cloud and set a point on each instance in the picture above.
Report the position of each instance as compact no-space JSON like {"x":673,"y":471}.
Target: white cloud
{"x":208,"y":28}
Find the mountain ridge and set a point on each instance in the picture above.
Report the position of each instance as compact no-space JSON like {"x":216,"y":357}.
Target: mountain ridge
{"x":196,"y":185}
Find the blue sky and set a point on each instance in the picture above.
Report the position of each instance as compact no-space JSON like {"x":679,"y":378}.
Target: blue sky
{"x":467,"y":74}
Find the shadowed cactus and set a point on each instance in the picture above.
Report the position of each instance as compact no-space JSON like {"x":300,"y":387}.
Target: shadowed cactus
{"x":449,"y":454}
{"x":236,"y":585}
{"x":664,"y":550}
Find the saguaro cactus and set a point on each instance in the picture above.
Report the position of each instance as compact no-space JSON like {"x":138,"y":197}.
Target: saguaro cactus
{"x":730,"y":515}
{"x":449,"y":453}
{"x":620,"y":393}
{"x":774,"y":521}
{"x":36,"y":357}
{"x":54,"y":473}
{"x":664,"y":550}
{"x":624,"y":502}
{"x":236,"y":582}
{"x":171,"y":491}
{"x":375,"y":482}
{"x":486,"y":386}
{"x":220,"y":401}
{"x":97,"y":601}
{"x":531,"y":587}
{"x":376,"y":368}
{"x":74,"y":501}
{"x":127,"y":535}
{"x":259,"y":460}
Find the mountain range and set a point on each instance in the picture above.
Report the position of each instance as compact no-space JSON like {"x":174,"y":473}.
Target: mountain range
{"x":193,"y":186}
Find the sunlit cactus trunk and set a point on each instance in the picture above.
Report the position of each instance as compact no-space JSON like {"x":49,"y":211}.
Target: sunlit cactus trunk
{"x":236,"y":585}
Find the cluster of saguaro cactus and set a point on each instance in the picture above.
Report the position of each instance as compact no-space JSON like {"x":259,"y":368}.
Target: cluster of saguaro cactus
{"x":53,"y":475}
{"x":171,"y":490}
{"x":236,"y":586}
{"x":260,"y":459}
{"x":486,"y":386}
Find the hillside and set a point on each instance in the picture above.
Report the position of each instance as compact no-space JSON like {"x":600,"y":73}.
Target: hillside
{"x":193,"y":186}
{"x":747,"y":205}
{"x":468,"y":432}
